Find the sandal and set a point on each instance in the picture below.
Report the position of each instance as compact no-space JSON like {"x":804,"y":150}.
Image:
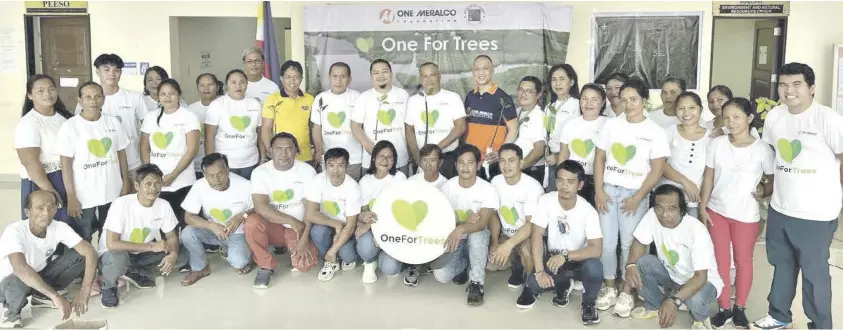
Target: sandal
{"x":193,"y":277}
{"x":245,"y":270}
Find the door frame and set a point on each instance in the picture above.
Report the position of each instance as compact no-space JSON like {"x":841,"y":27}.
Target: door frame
{"x":34,"y":54}
{"x":781,"y":48}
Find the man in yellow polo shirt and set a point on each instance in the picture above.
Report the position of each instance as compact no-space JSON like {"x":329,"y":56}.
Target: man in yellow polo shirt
{"x":289,"y":110}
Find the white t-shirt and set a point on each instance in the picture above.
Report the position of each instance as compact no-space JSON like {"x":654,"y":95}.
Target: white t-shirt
{"x":371,"y":187}
{"x":337,"y":203}
{"x":566,"y":230}
{"x":17,"y":238}
{"x":130,"y":109}
{"x":687,"y":157}
{"x":198,"y":110}
{"x":580,"y":136}
{"x":152,"y":104}
{"x":333,"y":113}
{"x":238,"y":125}
{"x":168,"y":143}
{"x":517,"y":201}
{"x":662,"y":119}
{"x":443,"y":109}
{"x":286,"y":189}
{"x":629,"y":148}
{"x":737,"y":172}
{"x":93,"y":145}
{"x":440,"y":180}
{"x":565,"y":111}
{"x":35,"y":130}
{"x":218,"y":205}
{"x":137,"y":223}
{"x":682,"y":250}
{"x":387,"y":116}
{"x":468,"y":201}
{"x":807,"y":184}
{"x":608,"y":112}
{"x":531,"y":129}
{"x":261,"y":89}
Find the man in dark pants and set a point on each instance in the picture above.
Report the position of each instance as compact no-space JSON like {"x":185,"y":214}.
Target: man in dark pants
{"x":807,"y":197}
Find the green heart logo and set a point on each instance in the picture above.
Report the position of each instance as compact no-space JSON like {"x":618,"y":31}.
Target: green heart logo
{"x":221,"y":215}
{"x":99,"y":147}
{"x":139,"y":235}
{"x":671,"y":255}
{"x":510,"y":215}
{"x":281,"y":196}
{"x":462,"y":215}
{"x":240,"y":123}
{"x":789,"y":150}
{"x":622,"y":154}
{"x":336,"y":119}
{"x":331,"y":207}
{"x":431,"y":120}
{"x":386,"y":116}
{"x":409,"y":215}
{"x":582,"y":148}
{"x":365,"y":44}
{"x":162,"y":140}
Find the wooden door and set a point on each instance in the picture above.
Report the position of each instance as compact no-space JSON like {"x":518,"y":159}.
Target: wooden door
{"x":66,"y":54}
{"x":767,"y":58}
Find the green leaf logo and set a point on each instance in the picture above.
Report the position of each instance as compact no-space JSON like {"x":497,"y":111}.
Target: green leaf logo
{"x":622,"y":154}
{"x":583,"y":148}
{"x":550,"y":122}
{"x":671,"y":255}
{"x":462,"y":215}
{"x":372,"y":204}
{"x":386,"y":116}
{"x":139,"y":235}
{"x":336,"y":119}
{"x":162,"y":140}
{"x":240,"y":123}
{"x":509,"y":214}
{"x":281,"y":196}
{"x":409,"y":215}
{"x":789,"y":150}
{"x":365,"y":44}
{"x":431,"y":120}
{"x":99,"y":147}
{"x":221,"y":215}
{"x":331,"y":207}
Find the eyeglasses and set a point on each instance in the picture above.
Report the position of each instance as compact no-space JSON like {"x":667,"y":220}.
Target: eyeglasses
{"x":526,"y":91}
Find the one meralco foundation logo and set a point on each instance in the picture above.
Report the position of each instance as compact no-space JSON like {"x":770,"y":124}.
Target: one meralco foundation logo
{"x":426,"y":15}
{"x":474,"y":14}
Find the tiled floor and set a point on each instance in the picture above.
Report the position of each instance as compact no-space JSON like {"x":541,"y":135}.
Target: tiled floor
{"x":226,"y":300}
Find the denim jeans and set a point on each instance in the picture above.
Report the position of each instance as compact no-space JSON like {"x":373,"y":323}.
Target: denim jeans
{"x":323,"y":237}
{"x":614,"y":223}
{"x":192,"y":238}
{"x":90,"y":221}
{"x":245,"y":172}
{"x":654,"y":277}
{"x":589,"y":271}
{"x":369,"y":252}
{"x":114,"y":264}
{"x":472,"y":252}
{"x":58,"y":274}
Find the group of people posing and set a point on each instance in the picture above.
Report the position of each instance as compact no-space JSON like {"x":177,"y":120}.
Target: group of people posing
{"x":571,"y":194}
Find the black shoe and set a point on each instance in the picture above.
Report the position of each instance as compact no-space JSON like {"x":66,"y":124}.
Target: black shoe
{"x":186,"y":267}
{"x":723,"y":317}
{"x":462,"y":277}
{"x":412,"y":278}
{"x":562,"y":295}
{"x":41,"y":301}
{"x":516,"y":279}
{"x":475,"y":294}
{"x":739,"y":319}
{"x":210,"y":248}
{"x":526,"y":300}
{"x":137,"y":278}
{"x":280,"y":250}
{"x":589,"y":314}
{"x":109,"y":298}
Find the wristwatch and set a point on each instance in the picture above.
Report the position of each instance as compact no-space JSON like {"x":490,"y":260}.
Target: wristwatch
{"x":565,"y":254}
{"x":676,"y":301}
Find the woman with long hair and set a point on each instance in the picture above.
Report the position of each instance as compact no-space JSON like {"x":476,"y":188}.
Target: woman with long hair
{"x":209,"y":89}
{"x":579,"y":138}
{"x":564,"y":90}
{"x":152,"y":78}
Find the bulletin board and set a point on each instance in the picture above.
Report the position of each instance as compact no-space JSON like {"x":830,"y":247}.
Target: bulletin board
{"x":837,"y":81}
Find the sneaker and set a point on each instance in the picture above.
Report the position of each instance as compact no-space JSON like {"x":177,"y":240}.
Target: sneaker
{"x":327,"y":272}
{"x":349,"y":266}
{"x":561,"y":298}
{"x":723,"y":317}
{"x":589,"y":314}
{"x":739,"y":319}
{"x":96,"y":288}
{"x":370,"y":272}
{"x":606,"y":298}
{"x":137,"y":278}
{"x":768,"y":322}
{"x":186,"y":267}
{"x":109,"y":298}
{"x":516,"y":279}
{"x":701,"y":324}
{"x":41,"y":301}
{"x":475,"y":294}
{"x":11,"y":321}
{"x":461,"y":278}
{"x":412,"y":278}
{"x":280,"y":250}
{"x":624,"y":305}
{"x":211,"y":248}
{"x":577,"y":286}
{"x":642,"y":313}
{"x":262,"y":278}
{"x":526,"y":300}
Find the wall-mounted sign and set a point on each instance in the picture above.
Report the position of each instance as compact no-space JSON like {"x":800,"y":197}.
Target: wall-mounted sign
{"x":56,"y":7}
{"x":751,"y":8}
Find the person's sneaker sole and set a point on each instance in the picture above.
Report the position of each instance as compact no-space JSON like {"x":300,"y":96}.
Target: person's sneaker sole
{"x":409,"y":283}
{"x":520,"y":306}
{"x":591,"y":322}
{"x":514,"y":286}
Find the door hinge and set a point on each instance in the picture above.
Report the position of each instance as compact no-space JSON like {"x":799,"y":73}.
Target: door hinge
{"x":777,"y":31}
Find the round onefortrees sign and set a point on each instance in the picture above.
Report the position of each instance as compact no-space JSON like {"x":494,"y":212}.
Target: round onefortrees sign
{"x":414,"y":220}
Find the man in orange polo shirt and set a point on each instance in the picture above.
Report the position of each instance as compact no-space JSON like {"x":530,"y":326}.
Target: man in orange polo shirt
{"x":289,"y":111}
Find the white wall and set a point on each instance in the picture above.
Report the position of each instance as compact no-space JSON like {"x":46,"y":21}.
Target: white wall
{"x":732,"y":57}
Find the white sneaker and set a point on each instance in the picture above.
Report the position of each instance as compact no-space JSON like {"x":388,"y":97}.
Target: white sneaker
{"x":624,"y":305}
{"x":701,"y":324}
{"x":349,"y":266}
{"x":577,"y":286}
{"x":606,"y":298}
{"x":768,"y":323}
{"x":327,"y":272}
{"x":370,"y":274}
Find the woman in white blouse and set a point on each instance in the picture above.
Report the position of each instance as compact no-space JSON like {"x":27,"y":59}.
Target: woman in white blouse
{"x":209,"y":89}
{"x":579,"y":135}
{"x":36,"y":138}
{"x":564,"y":105}
{"x":688,"y":144}
{"x":532,"y":136}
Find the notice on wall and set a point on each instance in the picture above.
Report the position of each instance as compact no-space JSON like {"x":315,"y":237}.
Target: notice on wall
{"x":130,"y":68}
{"x":143,"y":67}
{"x":205,"y":60}
{"x":837,"y":88}
{"x":9,"y":50}
{"x":751,"y":8}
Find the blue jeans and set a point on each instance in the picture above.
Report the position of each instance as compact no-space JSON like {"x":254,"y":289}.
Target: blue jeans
{"x":323,"y":238}
{"x":27,"y":187}
{"x":192,"y":238}
{"x":369,"y":252}
{"x":589,"y":271}
{"x":614,"y":223}
{"x":654,"y":276}
{"x":90,"y":221}
{"x":472,"y":252}
{"x":245,"y":172}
